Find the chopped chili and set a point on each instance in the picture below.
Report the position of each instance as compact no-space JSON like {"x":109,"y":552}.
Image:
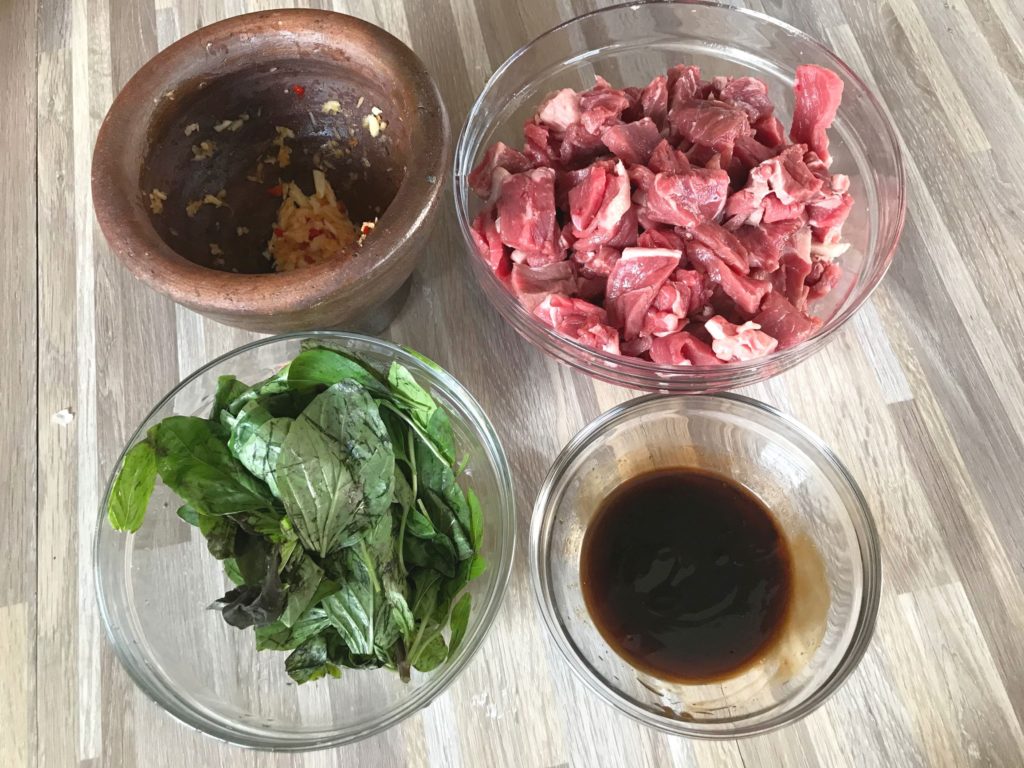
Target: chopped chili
{"x":314,"y":232}
{"x":298,"y":90}
{"x":275,"y":191}
{"x":278,"y":232}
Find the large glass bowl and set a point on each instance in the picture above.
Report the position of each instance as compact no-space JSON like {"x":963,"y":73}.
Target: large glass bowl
{"x":833,"y":545}
{"x":155,"y":586}
{"x":628,"y":45}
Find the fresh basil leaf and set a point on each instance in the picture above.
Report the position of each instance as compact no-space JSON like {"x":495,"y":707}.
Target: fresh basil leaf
{"x":353,"y":608}
{"x":228,"y":388}
{"x":418,"y":524}
{"x":278,"y":637}
{"x":325,"y":367}
{"x":458,"y":622}
{"x":194,"y":462}
{"x":189,"y":515}
{"x":476,"y":520}
{"x":272,"y":385}
{"x":336,"y":468}
{"x":423,"y":359}
{"x":132,"y":488}
{"x":431,"y":655}
{"x":437,"y":553}
{"x":446,"y":522}
{"x":438,"y":477}
{"x":418,"y":402}
{"x":248,"y":606}
{"x":440,"y":430}
{"x":232,"y":572}
{"x":256,"y":440}
{"x":303,"y":582}
{"x":310,"y":662}
{"x":220,"y":535}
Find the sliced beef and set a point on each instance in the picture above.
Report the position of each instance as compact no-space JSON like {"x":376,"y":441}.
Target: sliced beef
{"x":599,"y":204}
{"x":559,"y":110}
{"x":488,"y":243}
{"x":580,"y":320}
{"x":746,"y":292}
{"x":667,"y":159}
{"x":533,"y":284}
{"x":654,"y":100}
{"x":818,"y":93}
{"x":634,"y":283}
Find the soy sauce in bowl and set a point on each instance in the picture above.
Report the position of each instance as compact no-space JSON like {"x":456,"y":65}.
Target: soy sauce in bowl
{"x":686,"y":575}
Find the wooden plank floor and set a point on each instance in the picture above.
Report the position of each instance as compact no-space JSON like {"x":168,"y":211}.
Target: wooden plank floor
{"x":921,"y":395}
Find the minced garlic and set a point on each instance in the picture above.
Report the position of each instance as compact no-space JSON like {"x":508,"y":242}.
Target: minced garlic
{"x":156,"y":201}
{"x":242,"y":231}
{"x":231,"y":125}
{"x":191,"y":128}
{"x":331,"y":107}
{"x":284,"y":152}
{"x":204,"y":150}
{"x":215,"y":250}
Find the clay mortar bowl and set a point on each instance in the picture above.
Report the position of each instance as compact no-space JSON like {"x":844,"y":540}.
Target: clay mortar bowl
{"x":246,"y":69}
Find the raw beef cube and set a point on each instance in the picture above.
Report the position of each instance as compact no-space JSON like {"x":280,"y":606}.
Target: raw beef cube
{"x":526,"y":214}
{"x":599,"y":204}
{"x":770,"y":132}
{"x":488,"y":243}
{"x":794,"y":267}
{"x":661,"y":237}
{"x":823,"y":278}
{"x":818,"y":92}
{"x":781,"y":320}
{"x":559,"y":110}
{"x":659,"y":323}
{"x":635,"y":110}
{"x":790,"y":178}
{"x":746,"y":292}
{"x":579,"y":147}
{"x":738,"y":342}
{"x":687,"y":199}
{"x":750,"y":152}
{"x":597,"y":263}
{"x":539,"y":146}
{"x":827,"y":217}
{"x":634,"y":282}
{"x":579,"y":320}
{"x":775,"y":210}
{"x":632,"y":143}
{"x":532,"y":284}
{"x":724,"y":244}
{"x":601,"y":106}
{"x":684,"y":83}
{"x":601,"y":337}
{"x":682,"y":349}
{"x":654,"y":100}
{"x":711,"y":124}
{"x":499,"y":155}
{"x":667,"y":159}
{"x":750,"y":95}
{"x":764,"y":243}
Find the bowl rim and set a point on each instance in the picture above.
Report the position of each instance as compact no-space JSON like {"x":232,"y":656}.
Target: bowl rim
{"x":185,"y":712}
{"x":779,"y":423}
{"x":127,"y":227}
{"x":635,"y":371}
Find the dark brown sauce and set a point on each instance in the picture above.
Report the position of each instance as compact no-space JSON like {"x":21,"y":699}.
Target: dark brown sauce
{"x":686,"y":575}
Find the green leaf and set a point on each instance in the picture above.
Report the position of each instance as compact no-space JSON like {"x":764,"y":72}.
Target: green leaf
{"x":437,"y":553}
{"x":445,"y":521}
{"x":132,"y":488}
{"x":228,"y":388}
{"x":310,"y":662}
{"x":273,"y":385}
{"x":432,"y":654}
{"x":440,"y":430}
{"x":232,"y":572}
{"x":278,"y":637}
{"x":458,"y":622}
{"x":194,"y":462}
{"x":353,"y":608}
{"x":418,"y":402}
{"x":189,"y":515}
{"x":303,"y":583}
{"x":255,"y":605}
{"x":325,"y":367}
{"x":423,"y":359}
{"x":220,"y":535}
{"x":336,"y":468}
{"x":476,"y":519}
{"x":256,"y":440}
{"x":438,"y":477}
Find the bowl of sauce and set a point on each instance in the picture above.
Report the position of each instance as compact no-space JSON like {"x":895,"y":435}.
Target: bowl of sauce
{"x":705,"y":564}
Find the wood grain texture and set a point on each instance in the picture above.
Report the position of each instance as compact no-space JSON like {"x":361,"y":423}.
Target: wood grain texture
{"x":922,"y":395}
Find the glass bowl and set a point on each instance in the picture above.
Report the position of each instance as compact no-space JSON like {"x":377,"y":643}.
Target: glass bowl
{"x":628,"y":45}
{"x":154,"y":587}
{"x":833,"y":545}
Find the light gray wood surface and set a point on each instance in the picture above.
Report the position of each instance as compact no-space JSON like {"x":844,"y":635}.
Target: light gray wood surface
{"x":921,"y":395}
